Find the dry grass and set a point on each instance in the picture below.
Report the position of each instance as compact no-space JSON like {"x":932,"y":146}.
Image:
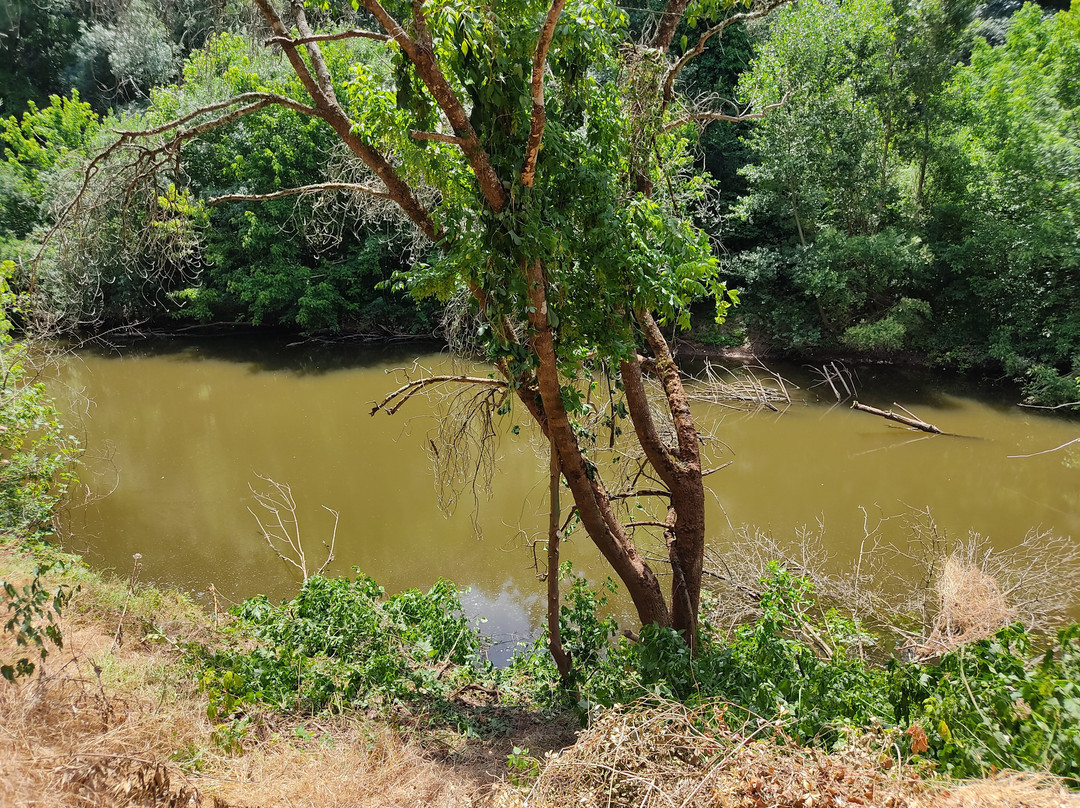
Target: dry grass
{"x":664,"y":758}
{"x":126,"y":725}
{"x":1009,"y":790}
{"x":108,"y":726}
{"x":971,"y":607}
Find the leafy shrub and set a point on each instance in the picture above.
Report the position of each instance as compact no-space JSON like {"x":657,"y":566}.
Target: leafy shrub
{"x":995,"y":704}
{"x":33,"y":610}
{"x":986,"y":706}
{"x":35,"y":455}
{"x":342,"y":643}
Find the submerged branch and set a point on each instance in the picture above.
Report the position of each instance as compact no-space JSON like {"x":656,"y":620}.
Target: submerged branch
{"x":1046,"y":451}
{"x":907,"y":420}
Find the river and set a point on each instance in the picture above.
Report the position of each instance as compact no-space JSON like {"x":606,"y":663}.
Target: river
{"x":178,"y":431}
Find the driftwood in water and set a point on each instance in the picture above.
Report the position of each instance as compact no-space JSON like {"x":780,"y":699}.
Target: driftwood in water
{"x":907,"y":420}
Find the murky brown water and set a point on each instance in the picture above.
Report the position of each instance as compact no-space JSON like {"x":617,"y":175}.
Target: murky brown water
{"x":181,"y":429}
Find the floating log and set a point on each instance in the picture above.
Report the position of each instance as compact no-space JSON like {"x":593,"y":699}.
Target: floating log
{"x":907,"y":420}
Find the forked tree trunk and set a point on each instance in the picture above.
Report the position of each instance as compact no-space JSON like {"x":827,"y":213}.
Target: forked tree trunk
{"x":593,"y":504}
{"x":679,"y":467}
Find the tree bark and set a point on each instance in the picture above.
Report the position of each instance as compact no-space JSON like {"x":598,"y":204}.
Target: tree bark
{"x":558,"y":653}
{"x":594,"y":506}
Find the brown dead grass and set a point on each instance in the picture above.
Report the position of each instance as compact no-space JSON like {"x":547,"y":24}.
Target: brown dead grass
{"x":127,"y":726}
{"x":653,"y":757}
{"x":971,"y":607}
{"x":1009,"y":790}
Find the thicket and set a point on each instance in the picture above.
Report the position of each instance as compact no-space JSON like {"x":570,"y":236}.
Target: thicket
{"x":36,"y":461}
{"x":917,"y":190}
{"x":304,"y":262}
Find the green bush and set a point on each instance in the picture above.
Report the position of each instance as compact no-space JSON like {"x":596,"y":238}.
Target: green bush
{"x":36,"y":457}
{"x":343,"y":643}
{"x":989,"y":705}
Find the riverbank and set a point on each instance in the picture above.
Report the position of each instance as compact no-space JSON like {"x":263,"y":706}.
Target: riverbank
{"x":117,"y":717}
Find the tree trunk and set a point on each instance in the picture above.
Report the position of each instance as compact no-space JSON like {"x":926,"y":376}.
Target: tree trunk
{"x":593,"y":503}
{"x":558,"y":653}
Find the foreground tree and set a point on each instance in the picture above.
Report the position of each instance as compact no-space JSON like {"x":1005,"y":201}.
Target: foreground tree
{"x":524,"y":142}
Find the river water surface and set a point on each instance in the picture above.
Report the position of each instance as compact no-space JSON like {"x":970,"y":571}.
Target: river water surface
{"x":177,"y":431}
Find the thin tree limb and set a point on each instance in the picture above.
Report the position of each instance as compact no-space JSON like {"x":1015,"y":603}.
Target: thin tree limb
{"x":410,"y":389}
{"x":302,"y":189}
{"x":354,"y":33}
{"x":745,"y":16}
{"x":539,"y":112}
{"x":1046,"y":451}
{"x":739,"y":117}
{"x":417,"y":134}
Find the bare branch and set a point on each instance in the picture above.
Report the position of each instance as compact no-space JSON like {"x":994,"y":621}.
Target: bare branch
{"x":303,"y":40}
{"x":303,"y":189}
{"x":333,"y":541}
{"x":417,"y":134}
{"x":745,"y":16}
{"x":283,"y":532}
{"x":644,"y":492}
{"x":539,"y":113}
{"x":1054,"y":407}
{"x":1046,"y":451}
{"x":912,"y":421}
{"x":408,"y":390}
{"x":151,"y":159}
{"x":320,"y":88}
{"x":738,"y":117}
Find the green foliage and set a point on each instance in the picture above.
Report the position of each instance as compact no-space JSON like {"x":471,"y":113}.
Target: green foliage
{"x":986,"y":706}
{"x":898,"y":169}
{"x":895,"y":329}
{"x":129,"y":54}
{"x":34,"y":611}
{"x":35,"y":455}
{"x":310,"y":262}
{"x":343,"y":643}
{"x":991,"y":705}
{"x":35,"y":470}
{"x":32,"y":147}
{"x":1009,"y":198}
{"x":112,"y":52}
{"x":524,"y":769}
{"x":606,"y":249}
